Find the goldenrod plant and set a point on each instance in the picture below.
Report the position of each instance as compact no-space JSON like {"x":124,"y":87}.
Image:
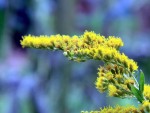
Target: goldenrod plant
{"x":116,"y":76}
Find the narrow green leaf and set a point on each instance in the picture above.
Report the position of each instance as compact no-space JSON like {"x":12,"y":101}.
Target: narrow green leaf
{"x":137,"y":93}
{"x":142,"y":81}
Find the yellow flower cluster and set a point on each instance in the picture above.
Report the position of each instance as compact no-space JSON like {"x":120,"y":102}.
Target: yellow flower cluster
{"x":87,"y":40}
{"x":80,"y":48}
{"x":117,"y":109}
{"x":117,"y":74}
{"x":110,"y":77}
{"x":92,"y":46}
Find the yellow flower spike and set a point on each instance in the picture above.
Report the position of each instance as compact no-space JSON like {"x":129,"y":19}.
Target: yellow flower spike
{"x":95,"y":50}
{"x":111,"y":73}
{"x":118,"y":72}
{"x":89,"y":36}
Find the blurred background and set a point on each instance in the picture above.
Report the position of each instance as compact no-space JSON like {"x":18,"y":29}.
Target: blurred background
{"x":41,"y":81}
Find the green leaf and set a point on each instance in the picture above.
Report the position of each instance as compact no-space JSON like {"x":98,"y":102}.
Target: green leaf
{"x":142,"y":81}
{"x":137,"y":93}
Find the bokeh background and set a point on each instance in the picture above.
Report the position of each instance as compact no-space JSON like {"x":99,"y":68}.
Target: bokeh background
{"x":41,"y":81}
